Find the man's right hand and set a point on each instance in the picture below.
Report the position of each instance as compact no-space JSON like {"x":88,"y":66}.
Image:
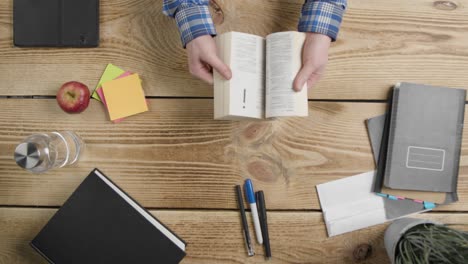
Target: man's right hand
{"x":203,"y":58}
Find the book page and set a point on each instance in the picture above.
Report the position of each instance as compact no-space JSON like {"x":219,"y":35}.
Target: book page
{"x":244,"y":93}
{"x":283,"y":62}
{"x":247,"y":83}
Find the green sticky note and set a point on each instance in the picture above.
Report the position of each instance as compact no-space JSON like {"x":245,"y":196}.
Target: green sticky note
{"x":110,"y":73}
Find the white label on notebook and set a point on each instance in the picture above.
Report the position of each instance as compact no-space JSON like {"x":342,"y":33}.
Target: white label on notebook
{"x":425,"y":158}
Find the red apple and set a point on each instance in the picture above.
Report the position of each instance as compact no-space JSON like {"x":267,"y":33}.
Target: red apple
{"x":73,"y":97}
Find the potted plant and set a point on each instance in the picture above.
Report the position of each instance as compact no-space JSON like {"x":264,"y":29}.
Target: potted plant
{"x":420,"y":241}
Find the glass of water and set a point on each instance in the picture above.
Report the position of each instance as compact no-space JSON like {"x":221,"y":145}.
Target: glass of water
{"x":42,"y":152}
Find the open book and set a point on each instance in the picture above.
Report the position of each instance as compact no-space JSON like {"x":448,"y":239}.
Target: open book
{"x":263,"y":71}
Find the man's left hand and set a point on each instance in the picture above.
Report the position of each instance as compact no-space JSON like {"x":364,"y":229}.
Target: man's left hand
{"x":314,"y":60}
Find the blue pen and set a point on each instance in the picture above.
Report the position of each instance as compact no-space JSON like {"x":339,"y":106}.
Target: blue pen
{"x":249,"y":192}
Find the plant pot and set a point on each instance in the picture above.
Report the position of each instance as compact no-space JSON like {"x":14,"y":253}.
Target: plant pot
{"x":396,"y":230}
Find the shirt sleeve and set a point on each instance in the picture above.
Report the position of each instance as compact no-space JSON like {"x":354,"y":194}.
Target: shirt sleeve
{"x":322,"y":16}
{"x":193,"y":18}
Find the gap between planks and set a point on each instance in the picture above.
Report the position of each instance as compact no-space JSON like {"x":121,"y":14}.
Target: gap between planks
{"x":217,"y":209}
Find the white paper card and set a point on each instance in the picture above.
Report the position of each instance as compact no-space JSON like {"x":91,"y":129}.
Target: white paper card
{"x":349,"y":204}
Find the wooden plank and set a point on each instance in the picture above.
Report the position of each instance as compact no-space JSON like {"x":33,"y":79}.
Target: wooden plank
{"x":381,"y":43}
{"x":177,"y":156}
{"x":215,"y":236}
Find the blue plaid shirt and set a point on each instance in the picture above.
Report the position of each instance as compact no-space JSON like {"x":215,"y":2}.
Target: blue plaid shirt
{"x":194,"y":19}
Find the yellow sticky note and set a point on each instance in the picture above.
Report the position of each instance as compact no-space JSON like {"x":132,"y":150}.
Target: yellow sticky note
{"x":110,"y":73}
{"x":124,"y":97}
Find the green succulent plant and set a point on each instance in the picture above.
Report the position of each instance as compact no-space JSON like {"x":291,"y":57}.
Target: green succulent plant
{"x":428,"y":243}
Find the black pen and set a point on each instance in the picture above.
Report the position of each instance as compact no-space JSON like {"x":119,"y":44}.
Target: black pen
{"x":245,"y":226}
{"x":263,"y":222}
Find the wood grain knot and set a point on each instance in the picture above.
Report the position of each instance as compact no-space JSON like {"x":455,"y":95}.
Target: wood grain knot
{"x":445,"y":5}
{"x":262,"y":171}
{"x":256,"y":131}
{"x":362,"y":252}
{"x":218,"y":13}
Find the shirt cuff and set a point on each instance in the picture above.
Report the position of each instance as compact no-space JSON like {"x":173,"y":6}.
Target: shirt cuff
{"x":321,"y":17}
{"x":194,"y":21}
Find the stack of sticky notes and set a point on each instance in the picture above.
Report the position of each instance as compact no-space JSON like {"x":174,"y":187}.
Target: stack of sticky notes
{"x":121,"y":93}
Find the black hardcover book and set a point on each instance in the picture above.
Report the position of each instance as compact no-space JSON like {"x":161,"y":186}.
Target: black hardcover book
{"x":56,"y":23}
{"x":99,"y":223}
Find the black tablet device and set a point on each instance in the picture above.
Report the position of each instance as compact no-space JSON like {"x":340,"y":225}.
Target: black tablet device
{"x":56,"y":23}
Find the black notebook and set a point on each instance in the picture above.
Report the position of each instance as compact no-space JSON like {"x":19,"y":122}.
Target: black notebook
{"x":99,"y":223}
{"x":425,"y":131}
{"x":56,"y":23}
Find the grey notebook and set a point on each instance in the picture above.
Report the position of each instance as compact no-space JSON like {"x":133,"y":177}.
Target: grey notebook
{"x":375,"y":128}
{"x":424,"y":140}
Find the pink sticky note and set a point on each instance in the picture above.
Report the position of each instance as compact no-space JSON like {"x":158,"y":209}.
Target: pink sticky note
{"x":103,"y":98}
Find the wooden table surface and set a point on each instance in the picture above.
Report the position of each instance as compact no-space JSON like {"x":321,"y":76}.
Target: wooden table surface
{"x":182,"y":165}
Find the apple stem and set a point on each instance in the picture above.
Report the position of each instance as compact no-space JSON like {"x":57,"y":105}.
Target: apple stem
{"x":71,"y":94}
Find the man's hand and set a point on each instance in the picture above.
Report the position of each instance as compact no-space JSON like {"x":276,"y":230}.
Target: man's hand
{"x":314,"y":60}
{"x":203,"y":58}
